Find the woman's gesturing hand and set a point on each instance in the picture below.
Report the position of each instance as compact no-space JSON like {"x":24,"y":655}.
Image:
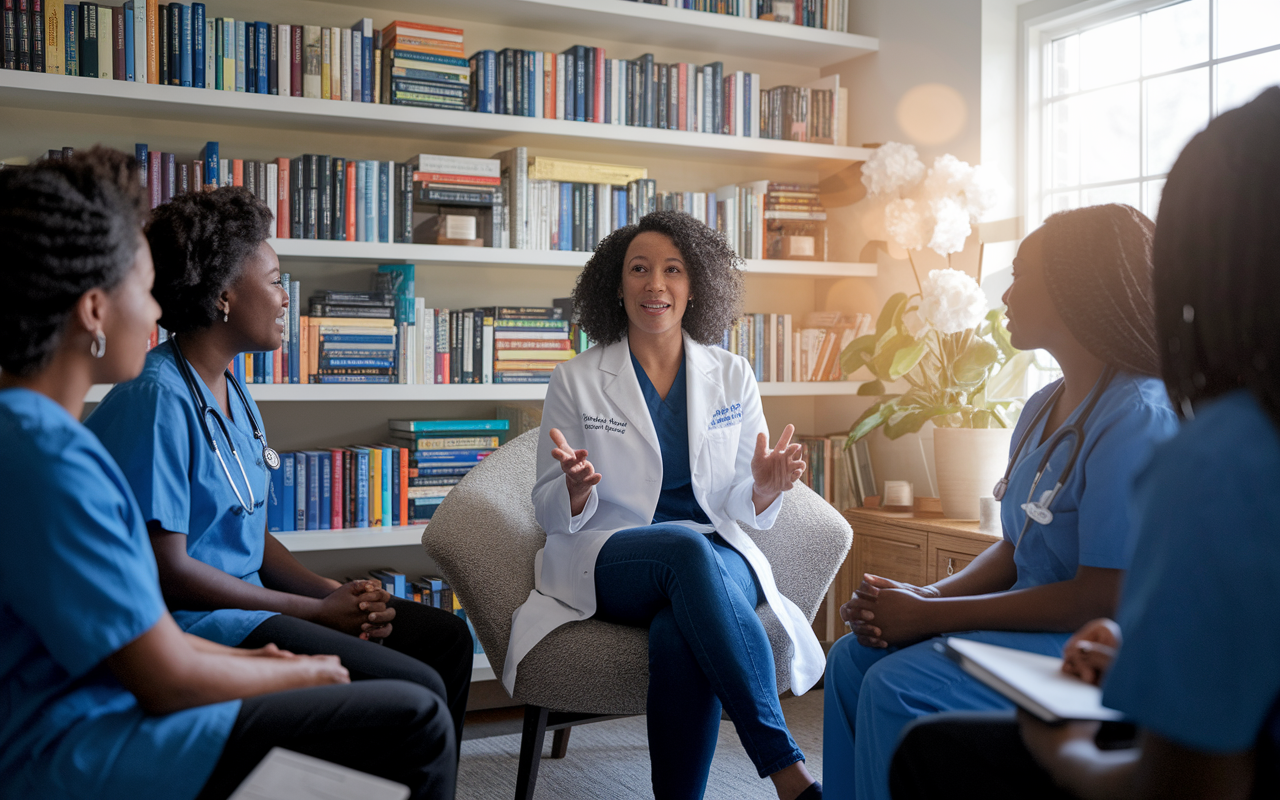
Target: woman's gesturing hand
{"x":775,"y":470}
{"x":579,"y":474}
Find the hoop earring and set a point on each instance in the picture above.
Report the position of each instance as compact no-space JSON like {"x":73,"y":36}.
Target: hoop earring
{"x":98,"y":347}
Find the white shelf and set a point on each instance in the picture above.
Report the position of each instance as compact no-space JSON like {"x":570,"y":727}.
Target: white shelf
{"x":297,"y":392}
{"x":381,"y":252}
{"x":644,"y":24}
{"x":125,"y":99}
{"x":351,"y":538}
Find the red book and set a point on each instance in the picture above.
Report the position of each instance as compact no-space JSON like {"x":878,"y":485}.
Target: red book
{"x":350,"y":212}
{"x":237,"y":172}
{"x":469,"y":180}
{"x":599,"y":102}
{"x":277,"y":366}
{"x":418,"y":26}
{"x":404,"y":486}
{"x":682,"y":72}
{"x":117,"y":45}
{"x":549,"y":91}
{"x":282,"y":199}
{"x":295,"y":61}
{"x":336,"y":507}
{"x":154,"y":179}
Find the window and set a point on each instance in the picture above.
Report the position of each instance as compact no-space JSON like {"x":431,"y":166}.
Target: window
{"x":1115,"y":98}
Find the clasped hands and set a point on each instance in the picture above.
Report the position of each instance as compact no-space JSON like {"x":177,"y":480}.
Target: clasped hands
{"x":774,"y":470}
{"x":886,"y":612}
{"x":359,"y":607}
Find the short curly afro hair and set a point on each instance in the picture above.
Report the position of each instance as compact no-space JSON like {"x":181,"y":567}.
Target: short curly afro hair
{"x":68,"y":226}
{"x":200,"y":242}
{"x":715,"y":279}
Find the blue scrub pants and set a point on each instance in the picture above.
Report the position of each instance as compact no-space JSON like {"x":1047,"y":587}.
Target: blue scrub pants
{"x":878,"y":692}
{"x":697,"y":596}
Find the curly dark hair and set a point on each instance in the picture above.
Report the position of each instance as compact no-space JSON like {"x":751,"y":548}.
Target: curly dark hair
{"x":199,"y":242}
{"x":715,"y":279}
{"x":68,"y":226}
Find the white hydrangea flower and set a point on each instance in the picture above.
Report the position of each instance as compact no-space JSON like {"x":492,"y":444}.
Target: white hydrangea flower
{"x":982,"y":191}
{"x":892,"y":168}
{"x":907,"y":223}
{"x":947,"y":178}
{"x":951,"y":226}
{"x":952,"y":302}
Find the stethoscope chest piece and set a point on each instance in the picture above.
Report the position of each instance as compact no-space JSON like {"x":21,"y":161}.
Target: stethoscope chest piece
{"x":271,"y":457}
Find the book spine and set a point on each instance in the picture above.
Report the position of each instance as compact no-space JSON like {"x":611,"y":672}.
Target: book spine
{"x":23,"y":35}
{"x":272,"y":57}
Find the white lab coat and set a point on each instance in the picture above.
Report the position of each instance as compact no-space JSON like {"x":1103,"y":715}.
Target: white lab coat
{"x":595,"y":400}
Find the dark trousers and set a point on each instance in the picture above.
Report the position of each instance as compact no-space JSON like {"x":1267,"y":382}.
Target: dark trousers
{"x":967,"y":754}
{"x":393,"y":729}
{"x":427,"y":646}
{"x":707,"y":649}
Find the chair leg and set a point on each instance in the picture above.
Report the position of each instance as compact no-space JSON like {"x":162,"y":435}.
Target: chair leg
{"x":535,"y":731}
{"x":560,"y":742}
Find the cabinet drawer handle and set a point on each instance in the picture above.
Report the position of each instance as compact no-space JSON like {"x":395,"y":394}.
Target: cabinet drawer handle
{"x":900,"y":544}
{"x":951,"y":563}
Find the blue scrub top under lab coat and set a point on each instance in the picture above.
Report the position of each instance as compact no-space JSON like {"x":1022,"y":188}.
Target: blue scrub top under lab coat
{"x":671,"y":422}
{"x":152,"y":427}
{"x":1090,"y":527}
{"x":77,"y":583}
{"x":1200,"y":664}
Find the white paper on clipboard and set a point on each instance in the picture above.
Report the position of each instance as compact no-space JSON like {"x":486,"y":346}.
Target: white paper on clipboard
{"x":286,"y":775}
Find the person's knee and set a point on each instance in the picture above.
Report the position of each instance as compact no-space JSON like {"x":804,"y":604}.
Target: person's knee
{"x":421,"y":715}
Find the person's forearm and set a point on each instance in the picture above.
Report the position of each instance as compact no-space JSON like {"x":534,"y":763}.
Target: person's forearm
{"x":217,"y":677}
{"x":1093,"y":774}
{"x":1062,"y":606}
{"x":762,"y":500}
{"x":992,"y":571}
{"x":205,"y":646}
{"x":283,"y":572}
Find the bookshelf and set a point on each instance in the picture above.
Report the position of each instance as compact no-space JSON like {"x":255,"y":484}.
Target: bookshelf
{"x":42,"y":92}
{"x":40,"y":111}
{"x":393,"y":393}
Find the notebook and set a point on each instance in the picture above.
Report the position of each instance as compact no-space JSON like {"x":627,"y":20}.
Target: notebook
{"x":1035,"y":683}
{"x":285,"y":775}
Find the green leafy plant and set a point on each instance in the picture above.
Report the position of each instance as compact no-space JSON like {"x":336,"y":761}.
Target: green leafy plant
{"x":958,"y":365}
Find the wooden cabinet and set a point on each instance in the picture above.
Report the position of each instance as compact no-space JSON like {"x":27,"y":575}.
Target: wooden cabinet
{"x":914,"y":548}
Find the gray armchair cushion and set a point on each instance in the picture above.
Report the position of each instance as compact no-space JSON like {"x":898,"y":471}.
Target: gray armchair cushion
{"x":484,"y":538}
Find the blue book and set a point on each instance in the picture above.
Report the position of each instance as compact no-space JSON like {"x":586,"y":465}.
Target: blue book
{"x":185,"y":54}
{"x":300,"y":492}
{"x":250,"y":57}
{"x":370,"y":201}
{"x":241,"y":55}
{"x":198,"y":45}
{"x":402,"y":55}
{"x":140,"y":153}
{"x":384,"y":201}
{"x":392,"y":581}
{"x":275,"y":502}
{"x":237,"y":367}
{"x":395,"y":487}
{"x":357,"y":61}
{"x":70,"y":53}
{"x":361,"y":179}
{"x":128,"y":41}
{"x":387,"y":510}
{"x":288,"y":331}
{"x":423,"y":508}
{"x":711,"y":210}
{"x":758,"y":351}
{"x":565,"y":241}
{"x":209,"y":154}
{"x":357,"y":338}
{"x":257,"y":366}
{"x":362,"y":486}
{"x":434,"y":457}
{"x":367,"y":77}
{"x":450,"y":425}
{"x":620,"y":207}
{"x":326,"y":490}
{"x":452,"y":469}
{"x":295,"y":330}
{"x":268,"y":367}
{"x":402,"y":282}
{"x":287,"y":500}
{"x":262,"y":60}
{"x":313,"y":490}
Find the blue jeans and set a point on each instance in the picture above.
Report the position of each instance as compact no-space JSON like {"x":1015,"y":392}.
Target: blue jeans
{"x":697,"y":596}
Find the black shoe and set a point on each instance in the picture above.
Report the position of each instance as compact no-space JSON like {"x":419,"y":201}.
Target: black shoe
{"x":814,"y":792}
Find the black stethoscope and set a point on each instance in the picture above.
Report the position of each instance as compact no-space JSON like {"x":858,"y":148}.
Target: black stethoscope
{"x":269,"y":456}
{"x":1037,"y":510}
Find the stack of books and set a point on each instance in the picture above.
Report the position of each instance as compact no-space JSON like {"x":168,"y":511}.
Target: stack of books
{"x":454,"y":186}
{"x":821,"y":339}
{"x":832,"y":15}
{"x":575,"y":204}
{"x":363,"y":486}
{"x":439,"y":454}
{"x":795,"y":222}
{"x":528,"y":344}
{"x":801,"y":113}
{"x":424,"y":66}
{"x":346,"y":346}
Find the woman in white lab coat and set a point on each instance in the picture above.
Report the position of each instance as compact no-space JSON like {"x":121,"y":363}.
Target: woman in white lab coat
{"x":653,"y":445}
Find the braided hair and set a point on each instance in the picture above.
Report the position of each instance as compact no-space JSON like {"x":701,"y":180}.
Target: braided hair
{"x":199,"y":242}
{"x":714,"y":279}
{"x":68,"y":226}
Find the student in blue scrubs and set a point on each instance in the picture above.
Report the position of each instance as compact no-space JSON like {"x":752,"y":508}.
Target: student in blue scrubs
{"x":102,"y":695}
{"x":1198,"y":667}
{"x":1082,"y":291}
{"x":228,"y":579}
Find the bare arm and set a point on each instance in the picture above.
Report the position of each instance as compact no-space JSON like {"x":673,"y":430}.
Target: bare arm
{"x":992,"y":571}
{"x":358,"y":608}
{"x":167,"y":674}
{"x":1156,"y":768}
{"x":282,"y":571}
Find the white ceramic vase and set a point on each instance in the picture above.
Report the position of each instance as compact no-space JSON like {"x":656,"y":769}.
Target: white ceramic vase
{"x":969,"y":462}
